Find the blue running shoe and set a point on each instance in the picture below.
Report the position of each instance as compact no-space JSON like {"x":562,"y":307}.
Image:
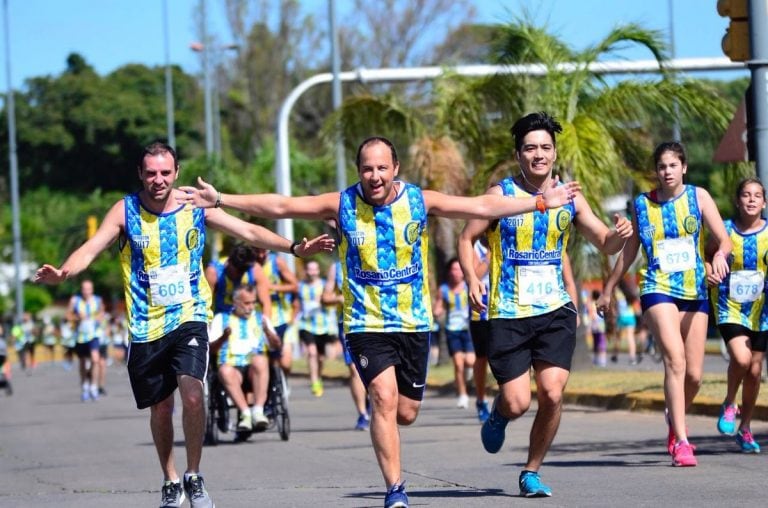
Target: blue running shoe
{"x":531,"y":486}
{"x":747,"y":441}
{"x":482,"y":411}
{"x":396,"y":497}
{"x":726,"y":424}
{"x":363,"y":423}
{"x":492,"y":432}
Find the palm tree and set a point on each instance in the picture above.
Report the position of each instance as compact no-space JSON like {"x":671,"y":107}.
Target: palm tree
{"x":609,"y":126}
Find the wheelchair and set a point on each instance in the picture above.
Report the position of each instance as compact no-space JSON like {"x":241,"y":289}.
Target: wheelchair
{"x":221,"y":419}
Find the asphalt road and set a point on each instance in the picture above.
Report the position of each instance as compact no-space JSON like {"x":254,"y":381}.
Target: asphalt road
{"x":57,"y":451}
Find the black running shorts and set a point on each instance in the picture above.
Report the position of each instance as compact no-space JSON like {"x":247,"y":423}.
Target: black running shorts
{"x":408,"y":352}
{"x":516,"y":344}
{"x":153,"y":366}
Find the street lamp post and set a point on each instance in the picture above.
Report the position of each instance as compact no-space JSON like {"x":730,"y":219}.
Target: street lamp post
{"x":212,"y":124}
{"x":170,"y":122}
{"x":10,"y":108}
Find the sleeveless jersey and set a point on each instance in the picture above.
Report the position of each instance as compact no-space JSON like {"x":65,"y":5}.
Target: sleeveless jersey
{"x":247,"y":338}
{"x":456,"y":307}
{"x":740,"y":298}
{"x":161,"y":257}
{"x":526,"y":252}
{"x":89,"y":326}
{"x":670,"y":234}
{"x":482,"y":253}
{"x":282,"y":308}
{"x":222,"y":294}
{"x":314,"y":317}
{"x":385,"y":260}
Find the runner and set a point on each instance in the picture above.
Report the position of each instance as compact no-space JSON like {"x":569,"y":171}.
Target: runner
{"x":453,"y":300}
{"x":531,"y":304}
{"x":315,"y":324}
{"x":742,"y":316}
{"x":384,"y":253}
{"x":168,"y":304}
{"x":86,"y":310}
{"x":668,"y":224}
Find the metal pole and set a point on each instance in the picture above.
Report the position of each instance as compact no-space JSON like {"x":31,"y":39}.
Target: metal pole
{"x":758,"y":65}
{"x":283,"y":163}
{"x":209,"y":150}
{"x":170,"y":123}
{"x":675,"y":105}
{"x":341,"y":167}
{"x":14,"y":163}
{"x":207,"y":88}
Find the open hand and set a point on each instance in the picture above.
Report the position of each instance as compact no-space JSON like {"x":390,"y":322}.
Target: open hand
{"x":558,"y":195}
{"x":48,"y":274}
{"x":322,"y":243}
{"x":202,"y":196}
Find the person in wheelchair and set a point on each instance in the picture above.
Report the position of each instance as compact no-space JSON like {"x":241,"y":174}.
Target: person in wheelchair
{"x":239,"y":345}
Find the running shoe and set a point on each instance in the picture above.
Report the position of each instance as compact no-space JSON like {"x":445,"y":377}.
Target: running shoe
{"x":531,"y":486}
{"x":195,"y":489}
{"x":260,"y":421}
{"x":172,"y":495}
{"x":482,"y":410}
{"x":492,"y":432}
{"x":671,"y":433}
{"x":363,"y":422}
{"x":462,"y":402}
{"x":94,"y":393}
{"x":245,"y":422}
{"x":86,"y":395}
{"x":726,"y":424}
{"x":747,"y":441}
{"x":317,"y":388}
{"x":682,"y":455}
{"x":396,"y":497}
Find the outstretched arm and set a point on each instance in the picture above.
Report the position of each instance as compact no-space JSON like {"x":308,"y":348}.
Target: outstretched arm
{"x":270,"y":206}
{"x":81,"y":258}
{"x":264,"y":238}
{"x":494,"y":206}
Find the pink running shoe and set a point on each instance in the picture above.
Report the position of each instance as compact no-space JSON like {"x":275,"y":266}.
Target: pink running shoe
{"x":671,"y":434}
{"x":682,"y":455}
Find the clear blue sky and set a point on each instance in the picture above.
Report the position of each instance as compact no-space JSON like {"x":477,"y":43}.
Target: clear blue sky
{"x":111,"y":33}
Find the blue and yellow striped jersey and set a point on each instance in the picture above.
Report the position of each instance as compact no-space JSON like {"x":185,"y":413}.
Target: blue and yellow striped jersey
{"x":315,"y":317}
{"x":222,"y":293}
{"x":282,"y":308}
{"x":670,"y":234}
{"x":161,"y":257}
{"x":526,"y":252}
{"x":246,"y":339}
{"x":385,"y":260}
{"x":740,"y":298}
{"x":456,"y":308}
{"x":89,"y":325}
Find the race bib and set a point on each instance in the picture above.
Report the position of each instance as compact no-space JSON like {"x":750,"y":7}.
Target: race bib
{"x":538,"y":284}
{"x":87,"y":327}
{"x":746,"y":285}
{"x":310,"y":306}
{"x":241,"y":346}
{"x":676,"y":254}
{"x":457,"y":320}
{"x":169,"y":285}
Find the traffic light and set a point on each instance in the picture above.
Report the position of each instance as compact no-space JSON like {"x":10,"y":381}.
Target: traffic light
{"x":92,"y":224}
{"x":736,"y":39}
